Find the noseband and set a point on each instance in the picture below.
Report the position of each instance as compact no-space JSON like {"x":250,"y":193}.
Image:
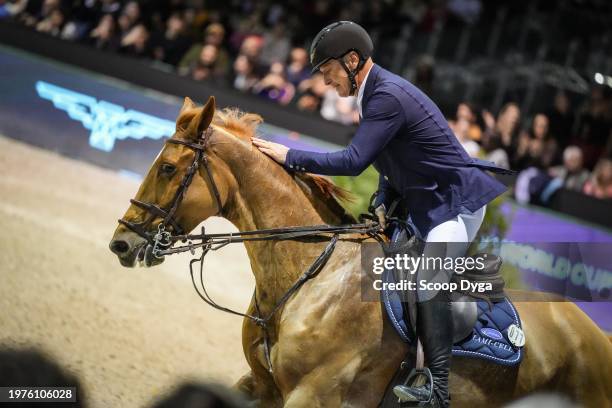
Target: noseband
{"x":163,"y":238}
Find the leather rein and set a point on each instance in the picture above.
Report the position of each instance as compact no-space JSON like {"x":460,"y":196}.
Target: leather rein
{"x":162,"y":242}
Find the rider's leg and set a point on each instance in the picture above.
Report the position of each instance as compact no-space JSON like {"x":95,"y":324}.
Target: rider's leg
{"x":434,"y":318}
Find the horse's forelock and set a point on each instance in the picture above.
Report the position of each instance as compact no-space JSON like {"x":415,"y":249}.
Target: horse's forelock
{"x":234,"y":121}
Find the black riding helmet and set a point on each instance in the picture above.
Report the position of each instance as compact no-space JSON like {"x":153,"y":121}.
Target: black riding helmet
{"x":338,"y":39}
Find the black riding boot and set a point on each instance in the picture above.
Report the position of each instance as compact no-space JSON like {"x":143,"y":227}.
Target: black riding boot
{"x":435,"y":328}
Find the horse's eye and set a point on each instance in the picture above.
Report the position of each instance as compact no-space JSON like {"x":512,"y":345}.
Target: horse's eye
{"x":167,"y":169}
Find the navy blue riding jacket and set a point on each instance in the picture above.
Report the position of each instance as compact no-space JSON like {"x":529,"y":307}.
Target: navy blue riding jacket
{"x":407,"y":139}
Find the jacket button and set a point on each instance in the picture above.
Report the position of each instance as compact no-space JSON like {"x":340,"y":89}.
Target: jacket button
{"x":386,"y":178}
{"x":291,"y":166}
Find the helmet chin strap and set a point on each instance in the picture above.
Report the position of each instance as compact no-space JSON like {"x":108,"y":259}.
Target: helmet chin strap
{"x":352,"y":74}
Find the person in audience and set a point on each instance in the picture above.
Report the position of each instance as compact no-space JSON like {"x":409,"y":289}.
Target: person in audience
{"x":466,"y":111}
{"x":104,"y":36}
{"x":461,"y":129}
{"x":12,"y":8}
{"x":338,"y":109}
{"x":213,"y":35}
{"x":172,"y":44}
{"x":274,"y":86}
{"x":52,"y":24}
{"x":504,"y":129}
{"x":571,"y":173}
{"x":244,"y":74}
{"x":136,"y":42}
{"x":599,"y":185}
{"x":311,"y":93}
{"x":536,"y":147}
{"x":205,"y":67}
{"x":297,"y":70}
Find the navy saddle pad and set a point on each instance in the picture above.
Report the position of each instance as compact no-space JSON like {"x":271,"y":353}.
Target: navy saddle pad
{"x":497,"y":334}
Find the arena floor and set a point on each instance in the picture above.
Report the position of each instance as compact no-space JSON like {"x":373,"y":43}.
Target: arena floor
{"x":129,"y":334}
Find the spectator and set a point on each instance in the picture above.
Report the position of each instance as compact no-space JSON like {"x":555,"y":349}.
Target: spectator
{"x":104,"y":36}
{"x":244,"y":71}
{"x":311,"y":92}
{"x":572,"y":174}
{"x":600,"y":183}
{"x":466,"y":111}
{"x":10,"y":8}
{"x":128,"y":19}
{"x":213,"y":35}
{"x":174,"y":42}
{"x":136,"y":42}
{"x":504,"y":129}
{"x":32,"y":16}
{"x":461,"y":128}
{"x":205,"y":67}
{"x":494,"y":150}
{"x":536,"y":147}
{"x":274,"y":85}
{"x":251,"y":47}
{"x":342,"y":110}
{"x":298,"y":68}
{"x":52,"y":24}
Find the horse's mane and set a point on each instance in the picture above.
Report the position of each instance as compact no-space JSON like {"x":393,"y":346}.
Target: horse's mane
{"x":318,"y":189}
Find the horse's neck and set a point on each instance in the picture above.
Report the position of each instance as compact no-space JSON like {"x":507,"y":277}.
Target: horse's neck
{"x":268,"y":197}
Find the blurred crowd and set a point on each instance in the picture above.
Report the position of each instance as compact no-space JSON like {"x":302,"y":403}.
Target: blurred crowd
{"x":563,"y":147}
{"x":259,"y":47}
{"x":255,"y":46}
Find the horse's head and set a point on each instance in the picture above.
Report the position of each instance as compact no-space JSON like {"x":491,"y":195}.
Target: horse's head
{"x":184,"y":186}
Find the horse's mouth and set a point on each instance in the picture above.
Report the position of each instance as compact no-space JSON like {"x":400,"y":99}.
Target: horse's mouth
{"x":142,"y":255}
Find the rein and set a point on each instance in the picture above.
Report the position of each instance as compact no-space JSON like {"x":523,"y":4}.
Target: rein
{"x":162,"y":242}
{"x":213,"y":242}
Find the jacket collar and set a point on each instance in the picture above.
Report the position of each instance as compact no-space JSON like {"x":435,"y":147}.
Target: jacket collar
{"x":369,"y":85}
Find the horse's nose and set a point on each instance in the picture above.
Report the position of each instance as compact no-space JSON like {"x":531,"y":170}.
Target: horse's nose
{"x":119,"y":247}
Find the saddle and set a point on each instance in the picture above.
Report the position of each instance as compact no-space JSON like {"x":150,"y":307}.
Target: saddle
{"x":486,"y":325}
{"x":463,"y":301}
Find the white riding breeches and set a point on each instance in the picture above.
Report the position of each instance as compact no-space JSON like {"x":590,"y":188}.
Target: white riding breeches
{"x":450,"y":239}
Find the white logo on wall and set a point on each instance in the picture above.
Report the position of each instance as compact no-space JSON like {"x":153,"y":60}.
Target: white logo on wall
{"x":106,"y":121}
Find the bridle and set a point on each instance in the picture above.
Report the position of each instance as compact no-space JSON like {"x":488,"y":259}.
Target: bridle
{"x":163,"y":237}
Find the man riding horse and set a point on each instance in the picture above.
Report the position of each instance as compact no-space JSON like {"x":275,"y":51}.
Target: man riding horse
{"x":407,"y":139}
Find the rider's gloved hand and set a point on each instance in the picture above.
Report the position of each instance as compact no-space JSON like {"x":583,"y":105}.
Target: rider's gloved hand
{"x":381,"y":213}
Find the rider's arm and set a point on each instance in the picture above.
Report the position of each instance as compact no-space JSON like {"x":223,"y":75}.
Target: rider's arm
{"x":382,"y":120}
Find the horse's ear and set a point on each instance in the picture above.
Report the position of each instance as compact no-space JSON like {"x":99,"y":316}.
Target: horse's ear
{"x":187,"y":104}
{"x":204,"y":118}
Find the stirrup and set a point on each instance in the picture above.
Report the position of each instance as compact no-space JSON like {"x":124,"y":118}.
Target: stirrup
{"x":417,"y":378}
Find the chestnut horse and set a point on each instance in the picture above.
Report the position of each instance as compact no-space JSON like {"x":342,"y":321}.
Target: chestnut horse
{"x":329,"y":348}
